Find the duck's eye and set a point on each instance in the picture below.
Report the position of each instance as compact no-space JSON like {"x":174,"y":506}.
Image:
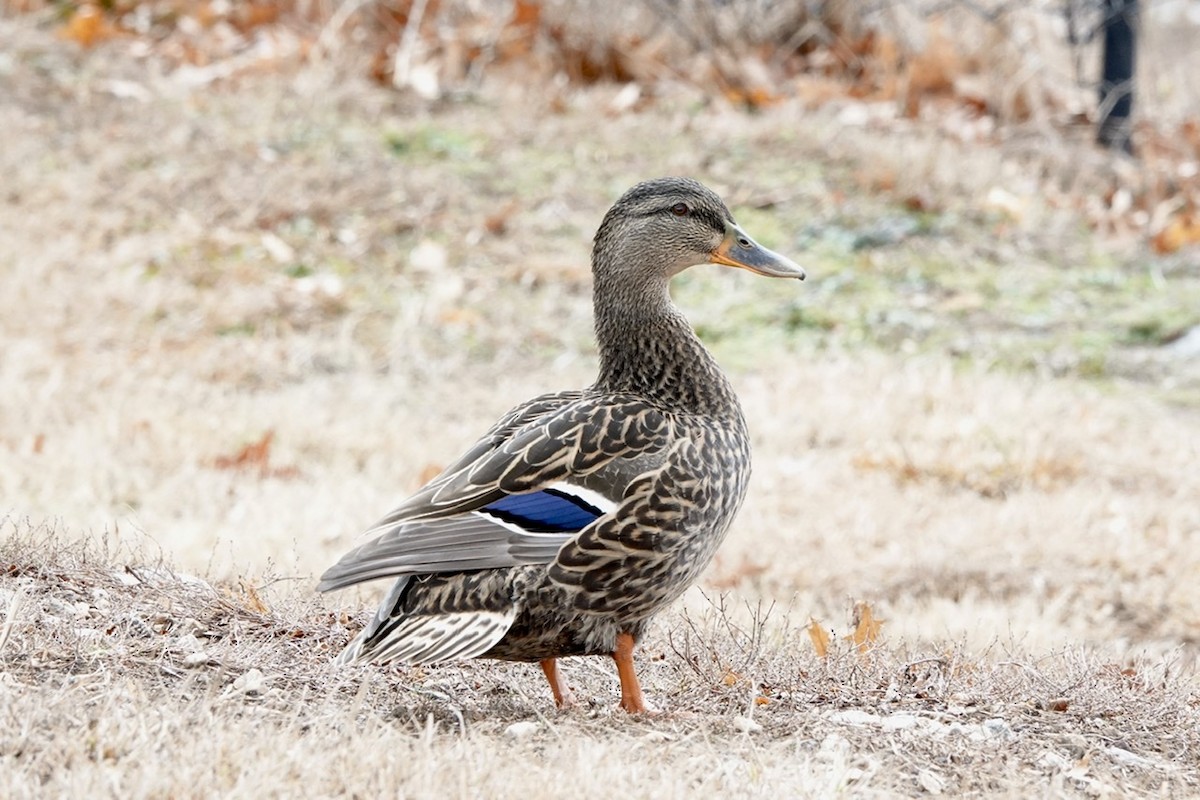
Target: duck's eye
{"x":680,"y":209}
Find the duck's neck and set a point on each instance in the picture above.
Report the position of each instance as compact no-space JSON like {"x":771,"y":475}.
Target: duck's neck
{"x":648,"y":348}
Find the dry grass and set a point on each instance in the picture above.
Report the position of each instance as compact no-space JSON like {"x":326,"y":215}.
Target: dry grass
{"x":191,"y":271}
{"x":147,"y":682}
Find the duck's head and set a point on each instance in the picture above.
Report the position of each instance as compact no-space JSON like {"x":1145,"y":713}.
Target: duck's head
{"x":661,"y":227}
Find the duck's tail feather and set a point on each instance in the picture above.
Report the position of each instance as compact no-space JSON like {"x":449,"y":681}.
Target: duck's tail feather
{"x":395,"y":635}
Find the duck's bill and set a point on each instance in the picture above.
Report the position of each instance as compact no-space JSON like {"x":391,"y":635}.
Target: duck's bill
{"x":739,"y":250}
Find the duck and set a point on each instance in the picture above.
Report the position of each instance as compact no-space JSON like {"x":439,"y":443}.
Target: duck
{"x":581,"y":514}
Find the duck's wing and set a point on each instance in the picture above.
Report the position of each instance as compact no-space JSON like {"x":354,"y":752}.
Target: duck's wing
{"x":516,"y":497}
{"x":564,"y":444}
{"x":516,"y":529}
{"x":526,"y":413}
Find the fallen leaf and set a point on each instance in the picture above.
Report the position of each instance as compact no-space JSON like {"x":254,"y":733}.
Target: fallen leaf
{"x":526,"y":15}
{"x":819,"y":636}
{"x":250,"y":15}
{"x":87,"y":26}
{"x":252,"y":599}
{"x":1181,"y":231}
{"x":496,"y":223}
{"x":932,"y":71}
{"x":255,"y":454}
{"x":866,"y":627}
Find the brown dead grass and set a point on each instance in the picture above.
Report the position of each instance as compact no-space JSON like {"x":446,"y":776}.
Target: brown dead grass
{"x":154,"y":682}
{"x":228,"y":346}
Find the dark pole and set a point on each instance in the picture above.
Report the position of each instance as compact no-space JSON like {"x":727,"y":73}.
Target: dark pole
{"x":1116,"y":86}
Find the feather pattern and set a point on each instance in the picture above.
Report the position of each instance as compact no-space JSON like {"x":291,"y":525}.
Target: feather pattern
{"x":580,"y":514}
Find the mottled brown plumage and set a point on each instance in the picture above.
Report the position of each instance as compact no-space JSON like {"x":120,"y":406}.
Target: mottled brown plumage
{"x":581,"y":514}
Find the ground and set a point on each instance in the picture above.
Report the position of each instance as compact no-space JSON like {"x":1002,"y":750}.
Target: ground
{"x":242,"y":320}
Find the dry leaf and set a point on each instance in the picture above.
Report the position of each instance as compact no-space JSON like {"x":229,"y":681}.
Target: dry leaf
{"x":731,"y":678}
{"x":866,"y":627}
{"x":87,"y":26}
{"x":819,"y":636}
{"x":250,"y":15}
{"x":526,"y":14}
{"x":252,"y":599}
{"x":1189,"y":131}
{"x":496,"y":223}
{"x":255,"y":454}
{"x":754,"y":97}
{"x":932,"y":72}
{"x":1181,"y":231}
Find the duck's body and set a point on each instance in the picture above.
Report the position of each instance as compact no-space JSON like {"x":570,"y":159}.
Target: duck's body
{"x":581,"y":514}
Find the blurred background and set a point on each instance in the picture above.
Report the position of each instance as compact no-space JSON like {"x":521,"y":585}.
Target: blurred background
{"x":268,"y":265}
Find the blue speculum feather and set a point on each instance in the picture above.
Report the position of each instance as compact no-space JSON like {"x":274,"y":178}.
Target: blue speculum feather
{"x":547,"y":511}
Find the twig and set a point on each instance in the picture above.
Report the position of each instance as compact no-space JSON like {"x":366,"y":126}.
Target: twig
{"x":686,"y":654}
{"x":402,"y":66}
{"x":10,"y":619}
{"x":331,"y":29}
{"x":1033,"y":672}
{"x":446,"y":702}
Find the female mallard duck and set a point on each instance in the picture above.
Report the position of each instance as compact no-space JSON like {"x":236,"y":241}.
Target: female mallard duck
{"x":581,"y":514}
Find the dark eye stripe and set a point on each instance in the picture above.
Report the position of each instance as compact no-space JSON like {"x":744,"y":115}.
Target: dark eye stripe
{"x":710,"y":218}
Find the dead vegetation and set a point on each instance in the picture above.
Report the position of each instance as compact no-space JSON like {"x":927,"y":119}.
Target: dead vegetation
{"x":1013,"y":74}
{"x":167,"y":683}
{"x":249,"y":316}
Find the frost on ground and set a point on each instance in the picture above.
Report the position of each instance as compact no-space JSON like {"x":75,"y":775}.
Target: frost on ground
{"x":239,"y":323}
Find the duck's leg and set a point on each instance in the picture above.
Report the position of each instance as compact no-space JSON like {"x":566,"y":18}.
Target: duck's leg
{"x":632,"y":699}
{"x":563,"y":696}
